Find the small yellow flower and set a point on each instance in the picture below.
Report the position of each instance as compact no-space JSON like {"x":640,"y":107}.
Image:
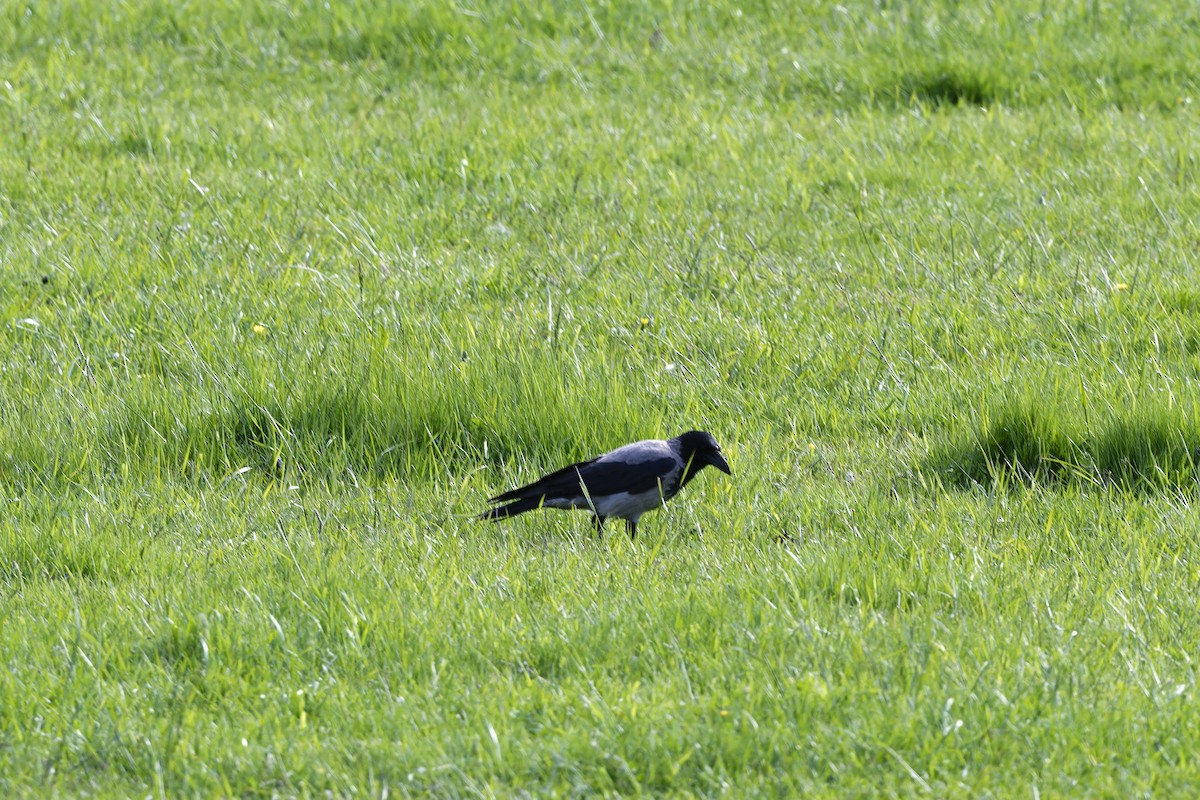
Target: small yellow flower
{"x":259,"y":329}
{"x":1120,"y":287}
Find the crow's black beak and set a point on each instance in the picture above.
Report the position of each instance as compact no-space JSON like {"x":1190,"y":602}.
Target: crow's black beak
{"x":718,"y":461}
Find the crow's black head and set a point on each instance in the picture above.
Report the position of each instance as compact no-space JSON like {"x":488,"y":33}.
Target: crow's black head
{"x":700,"y":450}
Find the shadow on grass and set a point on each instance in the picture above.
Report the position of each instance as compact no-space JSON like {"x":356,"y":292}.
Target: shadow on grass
{"x":947,"y":87}
{"x":319,"y":437}
{"x":62,"y":556}
{"x":333,"y":436}
{"x":1025,"y":447}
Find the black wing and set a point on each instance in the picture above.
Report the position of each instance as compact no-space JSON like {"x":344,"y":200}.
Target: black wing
{"x":601,"y":477}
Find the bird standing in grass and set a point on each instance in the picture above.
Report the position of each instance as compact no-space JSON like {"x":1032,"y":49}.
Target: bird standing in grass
{"x":624,"y":483}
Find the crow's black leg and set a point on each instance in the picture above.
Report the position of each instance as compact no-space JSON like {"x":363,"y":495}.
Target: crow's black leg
{"x":599,"y":520}
{"x":631,"y":526}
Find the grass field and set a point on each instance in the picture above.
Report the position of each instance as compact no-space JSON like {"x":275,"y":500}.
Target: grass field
{"x":287,"y":291}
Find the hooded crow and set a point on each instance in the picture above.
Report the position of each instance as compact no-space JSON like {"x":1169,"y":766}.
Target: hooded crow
{"x":625,"y":483}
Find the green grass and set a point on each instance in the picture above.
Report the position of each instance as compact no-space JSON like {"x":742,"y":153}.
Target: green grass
{"x":287,"y":292}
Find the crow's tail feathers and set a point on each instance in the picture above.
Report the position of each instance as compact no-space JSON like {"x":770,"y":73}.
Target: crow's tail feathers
{"x":511,"y":510}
